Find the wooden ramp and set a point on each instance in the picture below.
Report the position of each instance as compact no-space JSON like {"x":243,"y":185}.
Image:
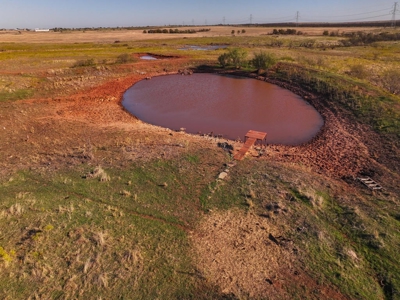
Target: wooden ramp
{"x":250,"y":138}
{"x":371,"y":184}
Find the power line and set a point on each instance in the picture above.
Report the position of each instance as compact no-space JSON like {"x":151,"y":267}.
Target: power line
{"x":394,"y":15}
{"x":350,"y":15}
{"x":349,"y":20}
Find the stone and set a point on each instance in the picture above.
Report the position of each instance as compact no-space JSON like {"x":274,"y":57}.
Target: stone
{"x":222,"y":175}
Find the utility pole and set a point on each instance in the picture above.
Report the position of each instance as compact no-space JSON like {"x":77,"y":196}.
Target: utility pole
{"x":251,"y":18}
{"x":394,"y":15}
{"x":297,"y":19}
{"x":192,"y":22}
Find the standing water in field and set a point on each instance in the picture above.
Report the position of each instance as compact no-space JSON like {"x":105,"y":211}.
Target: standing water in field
{"x":148,"y":57}
{"x":225,"y":105}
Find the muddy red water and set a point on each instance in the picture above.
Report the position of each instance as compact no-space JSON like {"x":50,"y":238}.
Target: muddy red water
{"x":224,"y":105}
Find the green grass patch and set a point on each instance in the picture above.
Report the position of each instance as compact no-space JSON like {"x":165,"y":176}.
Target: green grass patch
{"x":103,"y":232}
{"x":368,"y":104}
{"x":16,"y":95}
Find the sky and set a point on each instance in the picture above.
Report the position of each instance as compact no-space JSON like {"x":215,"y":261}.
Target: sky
{"x":101,"y":13}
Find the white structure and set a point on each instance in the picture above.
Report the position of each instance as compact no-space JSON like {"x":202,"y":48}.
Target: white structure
{"x":41,"y":30}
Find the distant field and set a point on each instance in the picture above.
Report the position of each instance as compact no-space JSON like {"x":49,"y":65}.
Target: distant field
{"x":107,"y":36}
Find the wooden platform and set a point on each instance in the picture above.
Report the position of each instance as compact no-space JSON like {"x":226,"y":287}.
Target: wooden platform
{"x":250,"y":138}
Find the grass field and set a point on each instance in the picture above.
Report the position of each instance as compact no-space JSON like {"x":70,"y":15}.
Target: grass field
{"x":95,"y":204}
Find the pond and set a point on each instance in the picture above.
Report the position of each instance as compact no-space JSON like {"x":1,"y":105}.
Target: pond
{"x":148,"y":57}
{"x":224,"y":105}
{"x":203,"y":48}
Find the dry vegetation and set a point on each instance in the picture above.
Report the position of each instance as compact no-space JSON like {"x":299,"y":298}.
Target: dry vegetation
{"x":97,"y":204}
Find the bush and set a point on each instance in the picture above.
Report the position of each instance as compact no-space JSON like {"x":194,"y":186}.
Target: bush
{"x":124,"y":58}
{"x":237,"y":56}
{"x":84,"y":63}
{"x":263,"y":61}
{"x":326,"y":32}
{"x":358,"y":71}
{"x":223,"y":59}
{"x":391,"y":82}
{"x":284,"y":32}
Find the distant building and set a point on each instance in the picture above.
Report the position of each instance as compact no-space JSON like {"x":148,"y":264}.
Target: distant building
{"x":41,"y":30}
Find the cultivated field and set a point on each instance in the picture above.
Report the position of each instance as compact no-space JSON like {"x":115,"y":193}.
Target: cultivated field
{"x":96,"y":204}
{"x":109,"y":36}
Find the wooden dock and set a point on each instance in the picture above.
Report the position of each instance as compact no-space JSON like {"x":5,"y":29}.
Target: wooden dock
{"x":250,"y":138}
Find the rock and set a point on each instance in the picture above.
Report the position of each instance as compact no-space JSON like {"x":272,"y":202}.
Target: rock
{"x":222,"y":175}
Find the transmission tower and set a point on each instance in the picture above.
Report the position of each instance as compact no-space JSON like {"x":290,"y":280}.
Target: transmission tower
{"x":394,"y":15}
{"x":223,"y":20}
{"x":251,"y":19}
{"x":297,"y":19}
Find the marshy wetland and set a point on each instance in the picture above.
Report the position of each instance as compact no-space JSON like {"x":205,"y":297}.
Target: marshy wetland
{"x":98,"y":203}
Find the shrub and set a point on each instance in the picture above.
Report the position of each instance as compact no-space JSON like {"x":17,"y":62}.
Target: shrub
{"x":285,"y":32}
{"x":124,"y":58}
{"x":223,"y":59}
{"x":358,"y":71}
{"x":237,"y":56}
{"x":391,"y":82}
{"x":326,"y":32}
{"x":84,"y":63}
{"x":263,"y":61}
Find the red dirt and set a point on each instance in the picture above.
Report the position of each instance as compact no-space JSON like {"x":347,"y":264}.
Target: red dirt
{"x":48,"y":134}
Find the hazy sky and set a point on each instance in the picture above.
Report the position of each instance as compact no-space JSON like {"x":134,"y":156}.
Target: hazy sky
{"x":102,"y":13}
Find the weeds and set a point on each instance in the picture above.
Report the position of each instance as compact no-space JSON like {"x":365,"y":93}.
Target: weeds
{"x":391,"y":82}
{"x":90,"y":62}
{"x":5,"y":256}
{"x":358,"y":71}
{"x":124,"y":58}
{"x":16,"y":210}
{"x":99,"y":173}
{"x":16,"y":95}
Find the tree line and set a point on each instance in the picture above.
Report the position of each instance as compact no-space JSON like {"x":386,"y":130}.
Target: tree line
{"x":176,"y":30}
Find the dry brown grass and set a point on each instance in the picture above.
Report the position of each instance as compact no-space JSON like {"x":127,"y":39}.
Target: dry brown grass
{"x":220,"y":243}
{"x":108,"y":36}
{"x":99,"y":173}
